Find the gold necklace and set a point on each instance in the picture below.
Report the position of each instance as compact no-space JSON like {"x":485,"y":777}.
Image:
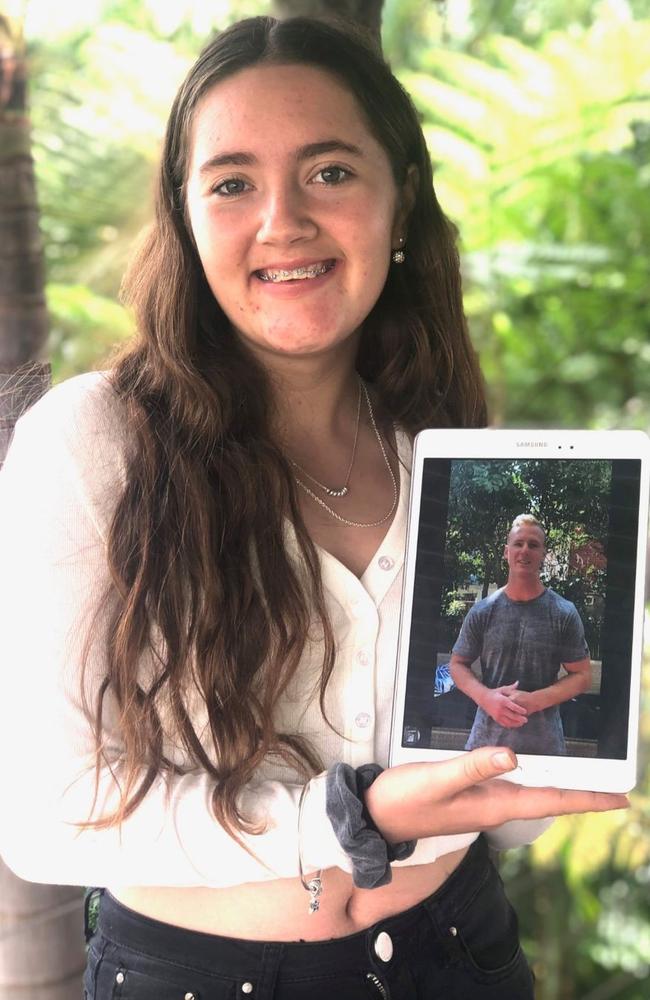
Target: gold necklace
{"x":345,"y":489}
{"x":344,"y":520}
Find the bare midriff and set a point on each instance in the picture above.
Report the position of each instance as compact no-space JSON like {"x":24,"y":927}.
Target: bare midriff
{"x":278,"y":910}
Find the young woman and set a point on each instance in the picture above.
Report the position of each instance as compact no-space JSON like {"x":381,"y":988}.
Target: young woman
{"x":203,"y":549}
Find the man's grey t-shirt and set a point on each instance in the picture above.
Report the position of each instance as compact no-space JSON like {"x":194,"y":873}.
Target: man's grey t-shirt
{"x":525,"y":641}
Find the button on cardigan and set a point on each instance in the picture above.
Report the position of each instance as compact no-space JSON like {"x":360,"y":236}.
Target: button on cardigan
{"x":58,"y":490}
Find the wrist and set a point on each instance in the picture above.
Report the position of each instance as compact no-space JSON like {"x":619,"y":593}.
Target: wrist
{"x":397,"y":799}
{"x":538,"y":702}
{"x":383,"y":803}
{"x":482,"y":697}
{"x":374,"y":802}
{"x":371,"y":846}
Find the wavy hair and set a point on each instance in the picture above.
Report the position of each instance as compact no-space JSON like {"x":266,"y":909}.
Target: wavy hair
{"x":196,"y":546}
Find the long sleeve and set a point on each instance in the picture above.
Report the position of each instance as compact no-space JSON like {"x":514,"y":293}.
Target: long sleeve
{"x":517,"y":832}
{"x":61,"y":478}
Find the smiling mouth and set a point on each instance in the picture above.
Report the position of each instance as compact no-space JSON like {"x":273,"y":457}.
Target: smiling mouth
{"x":277,"y":275}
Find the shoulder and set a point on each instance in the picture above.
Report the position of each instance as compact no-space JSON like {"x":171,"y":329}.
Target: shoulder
{"x":492,"y":601}
{"x":560,"y":604}
{"x":481,"y":610}
{"x":75,"y":433}
{"x":84,"y":404}
{"x":81,"y":415}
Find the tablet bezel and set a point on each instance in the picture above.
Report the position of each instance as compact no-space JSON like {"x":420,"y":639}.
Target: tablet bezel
{"x":589,"y":773}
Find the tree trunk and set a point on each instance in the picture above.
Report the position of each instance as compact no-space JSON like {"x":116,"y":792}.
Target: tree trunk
{"x":364,"y":12}
{"x":488,"y":566}
{"x":23,"y":315}
{"x":41,"y":927}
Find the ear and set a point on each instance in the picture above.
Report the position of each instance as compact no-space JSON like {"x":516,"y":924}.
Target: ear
{"x":405,"y":203}
{"x":505,"y":551}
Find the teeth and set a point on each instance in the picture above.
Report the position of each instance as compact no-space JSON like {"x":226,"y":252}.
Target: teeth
{"x":298,"y":273}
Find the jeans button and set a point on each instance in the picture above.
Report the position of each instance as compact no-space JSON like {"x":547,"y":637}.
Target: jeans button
{"x":384,"y":946}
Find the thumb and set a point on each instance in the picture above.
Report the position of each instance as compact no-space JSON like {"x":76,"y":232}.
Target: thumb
{"x":478,"y":765}
{"x":510,"y":687}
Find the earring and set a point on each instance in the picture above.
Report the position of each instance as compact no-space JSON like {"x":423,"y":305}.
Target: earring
{"x":398,"y":256}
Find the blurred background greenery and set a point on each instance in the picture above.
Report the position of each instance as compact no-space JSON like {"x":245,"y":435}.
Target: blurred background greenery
{"x":537,"y":116}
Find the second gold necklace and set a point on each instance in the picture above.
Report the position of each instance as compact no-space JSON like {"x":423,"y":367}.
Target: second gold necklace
{"x":321,"y":503}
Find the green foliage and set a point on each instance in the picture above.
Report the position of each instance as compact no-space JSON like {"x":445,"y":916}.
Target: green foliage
{"x":95,"y":148}
{"x":100,"y":94}
{"x":541,"y":158}
{"x":582,"y":896}
{"x":85,"y":328}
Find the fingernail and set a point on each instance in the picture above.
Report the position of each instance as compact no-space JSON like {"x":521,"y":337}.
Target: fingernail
{"x":504,"y":760}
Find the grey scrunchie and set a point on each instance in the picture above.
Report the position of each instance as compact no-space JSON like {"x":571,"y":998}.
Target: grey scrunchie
{"x":355,"y":831}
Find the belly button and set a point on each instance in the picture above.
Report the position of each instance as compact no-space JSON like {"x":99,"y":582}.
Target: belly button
{"x":350,"y":908}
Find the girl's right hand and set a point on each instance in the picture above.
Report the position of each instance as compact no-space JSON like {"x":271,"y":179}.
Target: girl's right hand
{"x":460,"y":796}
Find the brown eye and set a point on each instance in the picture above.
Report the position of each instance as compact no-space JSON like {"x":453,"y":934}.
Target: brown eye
{"x":332,"y":175}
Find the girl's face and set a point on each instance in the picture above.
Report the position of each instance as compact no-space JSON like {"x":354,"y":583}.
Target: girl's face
{"x":293,"y":207}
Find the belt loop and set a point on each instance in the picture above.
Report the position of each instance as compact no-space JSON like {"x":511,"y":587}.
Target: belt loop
{"x":271,"y":959}
{"x":429,"y":907}
{"x":91,"y":911}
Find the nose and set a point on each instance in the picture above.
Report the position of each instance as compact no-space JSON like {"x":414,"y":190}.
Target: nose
{"x":285,"y":218}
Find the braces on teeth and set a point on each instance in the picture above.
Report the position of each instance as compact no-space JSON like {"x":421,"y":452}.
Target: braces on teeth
{"x":297,"y":273}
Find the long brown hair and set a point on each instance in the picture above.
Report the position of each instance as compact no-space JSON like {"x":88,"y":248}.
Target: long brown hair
{"x":196,"y":547}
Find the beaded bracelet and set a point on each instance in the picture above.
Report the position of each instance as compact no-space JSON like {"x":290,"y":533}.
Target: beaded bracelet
{"x":314,"y":886}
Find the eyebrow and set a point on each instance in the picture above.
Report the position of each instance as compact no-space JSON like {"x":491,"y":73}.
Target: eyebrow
{"x":307,"y":152}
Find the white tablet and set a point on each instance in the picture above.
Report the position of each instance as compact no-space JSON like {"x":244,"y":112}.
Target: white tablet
{"x":522,"y":607}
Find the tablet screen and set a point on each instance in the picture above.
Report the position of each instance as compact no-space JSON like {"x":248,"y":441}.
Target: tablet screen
{"x":583,"y":518}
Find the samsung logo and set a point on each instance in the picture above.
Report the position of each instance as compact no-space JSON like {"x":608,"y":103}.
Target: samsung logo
{"x":532,"y":444}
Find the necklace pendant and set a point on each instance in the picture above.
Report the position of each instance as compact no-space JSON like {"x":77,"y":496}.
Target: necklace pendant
{"x":343,"y":491}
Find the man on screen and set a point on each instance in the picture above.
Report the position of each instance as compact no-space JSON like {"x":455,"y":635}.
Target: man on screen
{"x":521,"y":634}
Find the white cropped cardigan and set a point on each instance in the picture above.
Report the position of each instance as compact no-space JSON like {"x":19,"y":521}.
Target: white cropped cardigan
{"x":58,"y":489}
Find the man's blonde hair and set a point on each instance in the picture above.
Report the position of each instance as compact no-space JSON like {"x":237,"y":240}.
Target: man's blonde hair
{"x":527,"y":519}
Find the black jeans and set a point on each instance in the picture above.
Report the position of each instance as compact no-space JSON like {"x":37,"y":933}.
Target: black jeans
{"x":461,"y":943}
